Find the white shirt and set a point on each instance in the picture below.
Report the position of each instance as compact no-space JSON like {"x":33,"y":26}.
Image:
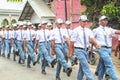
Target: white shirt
{"x":40,"y":35}
{"x":119,"y":37}
{"x":7,"y":34}
{"x":1,"y":35}
{"x":20,"y":35}
{"x":68,"y":33}
{"x":29,"y":34}
{"x":99,"y":34}
{"x":78,"y":37}
{"x":56,"y":35}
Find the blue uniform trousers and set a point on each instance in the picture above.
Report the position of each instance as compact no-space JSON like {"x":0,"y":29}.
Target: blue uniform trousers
{"x":7,"y":46}
{"x":0,"y":46}
{"x":99,"y":64}
{"x":44,"y":52}
{"x":66,"y":52}
{"x":21,"y":50}
{"x":14,"y":44}
{"x":60,"y":50}
{"x":3,"y":47}
{"x":106,"y":65}
{"x":30,"y":47}
{"x":83,"y":65}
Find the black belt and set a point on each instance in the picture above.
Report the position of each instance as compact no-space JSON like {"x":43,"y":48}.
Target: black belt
{"x":59,"y":43}
{"x":19,"y":40}
{"x":105,"y":46}
{"x":81,"y":48}
{"x":43,"y":42}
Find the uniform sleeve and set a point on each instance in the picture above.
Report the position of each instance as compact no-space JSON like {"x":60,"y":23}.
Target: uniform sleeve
{"x":113,"y":30}
{"x":74,"y":36}
{"x":52,"y":35}
{"x":11,"y":34}
{"x":24,"y":34}
{"x":91,"y":34}
{"x":37,"y":35}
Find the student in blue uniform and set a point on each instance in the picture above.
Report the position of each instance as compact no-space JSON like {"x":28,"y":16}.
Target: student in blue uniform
{"x":80,"y":40}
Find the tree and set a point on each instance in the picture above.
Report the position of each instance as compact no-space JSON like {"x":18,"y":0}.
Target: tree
{"x":94,"y":8}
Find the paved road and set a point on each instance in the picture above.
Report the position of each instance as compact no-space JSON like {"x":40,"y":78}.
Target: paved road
{"x":10,"y":70}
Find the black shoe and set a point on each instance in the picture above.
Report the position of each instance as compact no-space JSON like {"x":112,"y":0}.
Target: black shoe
{"x":72,"y":63}
{"x":8,"y":56}
{"x":68,"y":72}
{"x":17,"y":53}
{"x":107,"y":77}
{"x":96,"y":73}
{"x":43,"y":72}
{"x":58,"y":78}
{"x":14,"y":59}
{"x":48,"y":65}
{"x":19,"y":62}
{"x":53,"y":63}
{"x":75,"y":61}
{"x":28,"y":66}
{"x":64,"y":70}
{"x":34,"y":63}
{"x":3,"y":55}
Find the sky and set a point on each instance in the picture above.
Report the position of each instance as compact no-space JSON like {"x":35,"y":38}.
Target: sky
{"x":11,"y":5}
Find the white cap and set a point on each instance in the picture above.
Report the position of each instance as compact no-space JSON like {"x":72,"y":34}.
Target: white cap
{"x":39,"y":25}
{"x":103,"y":17}
{"x":49,"y":24}
{"x":21,"y":24}
{"x":59,"y":21}
{"x":14,"y":25}
{"x":83,"y":18}
{"x":29,"y":23}
{"x":0,"y":26}
{"x":24,"y":26}
{"x":67,"y":22}
{"x":24,"y":23}
{"x":43,"y":22}
{"x":7,"y":26}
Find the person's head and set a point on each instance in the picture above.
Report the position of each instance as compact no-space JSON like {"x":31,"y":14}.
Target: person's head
{"x":29,"y":25}
{"x":103,"y":20}
{"x":49,"y":26}
{"x":0,"y":28}
{"x":43,"y":24}
{"x":83,"y":20}
{"x":67,"y":24}
{"x":39,"y":26}
{"x":15,"y":26}
{"x":59,"y":23}
{"x":7,"y":27}
{"x":21,"y":26}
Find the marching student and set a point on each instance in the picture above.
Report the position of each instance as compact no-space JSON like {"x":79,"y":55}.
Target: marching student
{"x":20,"y":43}
{"x":67,"y":35}
{"x":80,"y":40}
{"x":28,"y":44}
{"x":42,"y":44}
{"x":58,"y":48}
{"x":103,"y":36}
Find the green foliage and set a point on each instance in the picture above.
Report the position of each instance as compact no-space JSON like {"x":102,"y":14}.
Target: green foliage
{"x":111,"y":10}
{"x":95,"y":8}
{"x":4,"y":22}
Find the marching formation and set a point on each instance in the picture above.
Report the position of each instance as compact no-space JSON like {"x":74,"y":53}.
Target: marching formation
{"x":67,"y":44}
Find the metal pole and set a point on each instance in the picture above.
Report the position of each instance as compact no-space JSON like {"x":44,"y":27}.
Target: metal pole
{"x":65,"y":11}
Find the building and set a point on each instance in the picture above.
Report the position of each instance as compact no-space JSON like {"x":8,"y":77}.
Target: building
{"x":10,"y":11}
{"x":37,"y":10}
{"x":8,"y":16}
